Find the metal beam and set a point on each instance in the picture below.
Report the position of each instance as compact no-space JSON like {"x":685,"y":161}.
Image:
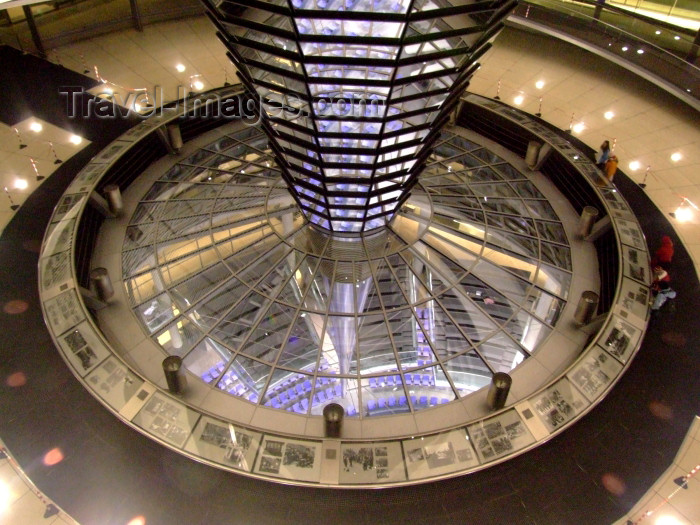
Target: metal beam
{"x":136,"y":15}
{"x":33,"y":30}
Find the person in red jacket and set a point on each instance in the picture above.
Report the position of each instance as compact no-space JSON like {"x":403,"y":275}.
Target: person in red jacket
{"x":664,"y":255}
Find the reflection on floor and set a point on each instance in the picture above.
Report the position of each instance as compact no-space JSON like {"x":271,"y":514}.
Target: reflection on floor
{"x":20,"y":501}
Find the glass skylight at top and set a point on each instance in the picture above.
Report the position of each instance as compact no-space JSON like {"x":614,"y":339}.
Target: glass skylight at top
{"x":353,"y":92}
{"x":469,"y":277}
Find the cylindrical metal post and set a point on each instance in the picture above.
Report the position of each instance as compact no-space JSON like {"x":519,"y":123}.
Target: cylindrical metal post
{"x":498,"y":391}
{"x":586,"y":308}
{"x":99,"y":278}
{"x":333,"y":414}
{"x":533,"y":151}
{"x":113,"y":196}
{"x":588,"y":217}
{"x":174,"y":375}
{"x":175,"y":136}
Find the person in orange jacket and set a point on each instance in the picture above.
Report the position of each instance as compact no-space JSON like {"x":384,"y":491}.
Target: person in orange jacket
{"x":611,"y":167}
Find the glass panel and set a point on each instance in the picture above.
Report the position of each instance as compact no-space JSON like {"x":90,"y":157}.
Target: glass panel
{"x":141,"y":235}
{"x":493,"y":190}
{"x":508,"y":284}
{"x":318,"y":294}
{"x":380,"y":398}
{"x":487,"y":156}
{"x":247,"y":378}
{"x":552,"y":231}
{"x":556,"y":255}
{"x":144,"y":286}
{"x":496,"y":305}
{"x":146,"y":212}
{"x":376,"y":353}
{"x":541,"y":210}
{"x":514,"y":224}
{"x":233,"y":328}
{"x":554,"y":280}
{"x":207,"y":360}
{"x":136,"y":261}
{"x":439,"y":331}
{"x":527,"y":330}
{"x":516,"y":244}
{"x":502,"y":353}
{"x":544,"y":306}
{"x":209,"y":311}
{"x":187,"y":208}
{"x":289,"y":391}
{"x":349,"y":397}
{"x":269,"y":335}
{"x":340,"y":343}
{"x":247,"y":248}
{"x":388,"y":286}
{"x":468,"y":372}
{"x":269,"y":263}
{"x":508,"y":172}
{"x":301,"y":348}
{"x":404,"y":330}
{"x":471,"y":320}
{"x":463,"y":253}
{"x":178,"y":337}
{"x":296,"y":287}
{"x":188,"y":266}
{"x":190,"y":291}
{"x":410,"y":270}
{"x":157,"y":312}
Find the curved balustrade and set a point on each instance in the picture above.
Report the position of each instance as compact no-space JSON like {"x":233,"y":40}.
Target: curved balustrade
{"x":628,"y":41}
{"x":312,"y":460}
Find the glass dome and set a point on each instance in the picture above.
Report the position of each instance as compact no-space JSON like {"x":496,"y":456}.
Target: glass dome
{"x":468,"y":279}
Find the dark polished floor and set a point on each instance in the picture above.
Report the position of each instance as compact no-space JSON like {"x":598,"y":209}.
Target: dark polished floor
{"x":591,"y":474}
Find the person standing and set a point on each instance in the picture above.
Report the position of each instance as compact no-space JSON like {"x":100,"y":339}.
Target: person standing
{"x":611,"y":167}
{"x":664,"y":255}
{"x":661,"y":290}
{"x":603,"y":154}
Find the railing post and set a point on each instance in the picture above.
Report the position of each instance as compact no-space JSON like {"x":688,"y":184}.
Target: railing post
{"x":586,"y":308}
{"x":588,"y":218}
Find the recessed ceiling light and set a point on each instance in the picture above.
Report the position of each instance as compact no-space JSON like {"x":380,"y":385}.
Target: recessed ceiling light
{"x":608,"y":115}
{"x":683,"y":213}
{"x":578,"y":127}
{"x":634,"y":165}
{"x":198,"y":85}
{"x":180,"y":68}
{"x":539,"y":84}
{"x":75,"y":139}
{"x":667,"y":520}
{"x":21,"y":184}
{"x":676,"y":37}
{"x":676,"y":156}
{"x":36,"y":127}
{"x":6,"y":496}
{"x":658,"y":32}
{"x":518,"y":100}
{"x":625,"y":48}
{"x":640,"y":51}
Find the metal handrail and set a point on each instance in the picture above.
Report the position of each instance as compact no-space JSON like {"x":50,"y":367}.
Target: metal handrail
{"x":647,"y":59}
